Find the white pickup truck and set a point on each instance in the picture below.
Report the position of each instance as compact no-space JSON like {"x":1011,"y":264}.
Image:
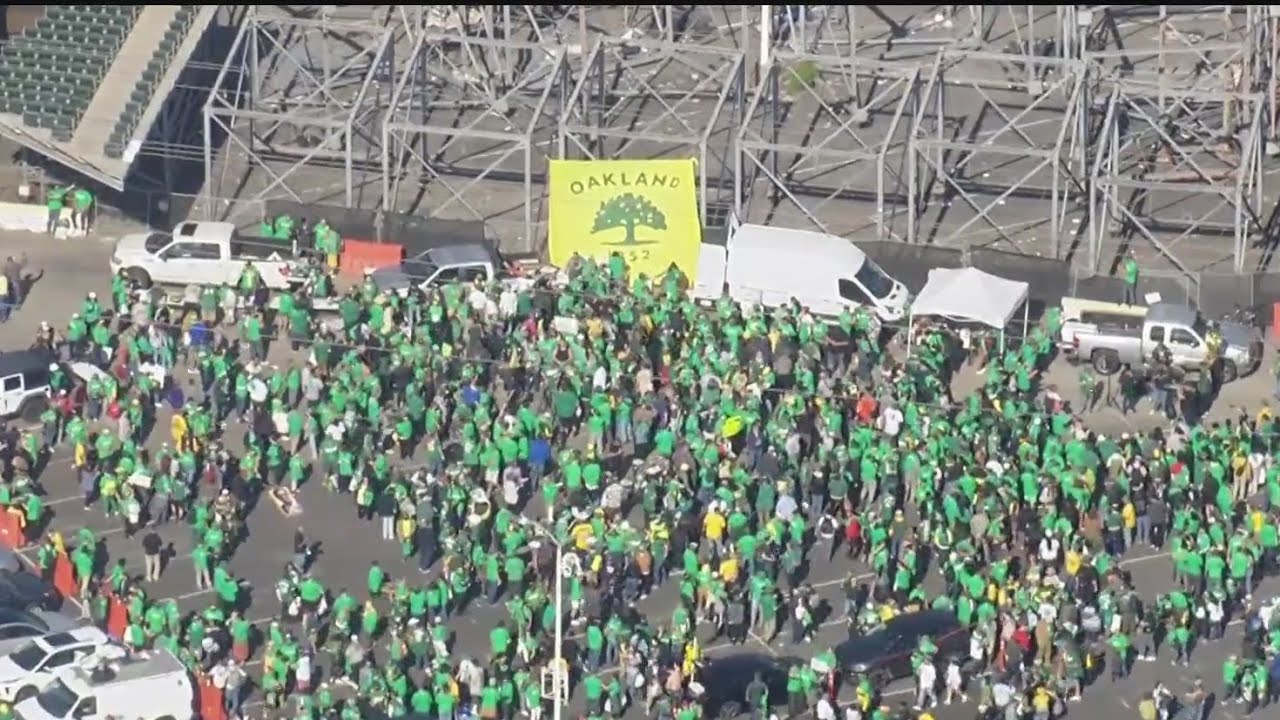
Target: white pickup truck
{"x":201,"y":253}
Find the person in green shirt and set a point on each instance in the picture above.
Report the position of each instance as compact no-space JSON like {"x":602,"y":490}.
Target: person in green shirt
{"x":81,"y":209}
{"x":55,"y":199}
{"x":1130,"y":280}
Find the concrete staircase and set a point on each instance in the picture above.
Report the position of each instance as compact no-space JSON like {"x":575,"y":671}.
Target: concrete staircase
{"x":107,"y":105}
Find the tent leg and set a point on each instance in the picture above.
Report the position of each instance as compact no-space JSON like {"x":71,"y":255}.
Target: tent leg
{"x":911,"y":321}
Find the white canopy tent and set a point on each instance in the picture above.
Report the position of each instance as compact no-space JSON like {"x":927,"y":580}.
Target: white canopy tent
{"x":971,"y":295}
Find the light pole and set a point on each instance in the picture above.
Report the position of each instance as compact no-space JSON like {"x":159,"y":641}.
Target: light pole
{"x":558,"y":681}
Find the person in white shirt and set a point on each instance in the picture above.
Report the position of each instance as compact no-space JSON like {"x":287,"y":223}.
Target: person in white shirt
{"x":926,"y":685}
{"x":955,"y":684}
{"x":891,"y":421}
{"x":1050,"y":549}
{"x":825,"y":710}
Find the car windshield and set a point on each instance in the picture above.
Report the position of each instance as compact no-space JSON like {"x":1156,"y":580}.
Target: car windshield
{"x":28,"y":657}
{"x":419,"y":268}
{"x":157,"y":242}
{"x":871,"y":277}
{"x":57,"y":699}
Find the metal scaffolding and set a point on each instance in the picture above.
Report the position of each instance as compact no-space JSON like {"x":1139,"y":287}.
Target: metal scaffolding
{"x":298,"y":93}
{"x":1003,"y":135}
{"x":468,"y":111}
{"x":1064,"y":131}
{"x":821,"y":130}
{"x":646,"y":99}
{"x":1179,"y":155}
{"x":901,"y":33}
{"x":871,"y":105}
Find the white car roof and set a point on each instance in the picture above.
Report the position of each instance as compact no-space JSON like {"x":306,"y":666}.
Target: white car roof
{"x":87,"y":635}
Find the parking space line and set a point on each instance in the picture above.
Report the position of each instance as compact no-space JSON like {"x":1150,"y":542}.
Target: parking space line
{"x":70,"y":532}
{"x":193,"y":593}
{"x":64,"y":500}
{"x":751,"y":632}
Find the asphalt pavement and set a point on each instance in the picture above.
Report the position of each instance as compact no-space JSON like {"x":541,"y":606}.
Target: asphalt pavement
{"x":348,"y":546}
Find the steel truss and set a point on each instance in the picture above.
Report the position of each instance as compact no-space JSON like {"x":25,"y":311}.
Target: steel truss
{"x":299,"y":93}
{"x":469,"y":110}
{"x":901,"y":33}
{"x":646,"y":99}
{"x":172,"y":158}
{"x":821,"y":130}
{"x":1003,"y":135}
{"x":1179,"y":149}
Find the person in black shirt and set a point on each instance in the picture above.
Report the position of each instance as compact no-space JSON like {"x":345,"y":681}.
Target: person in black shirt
{"x":152,"y":548}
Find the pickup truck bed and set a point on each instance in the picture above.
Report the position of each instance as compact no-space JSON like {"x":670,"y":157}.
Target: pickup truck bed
{"x":260,"y":248}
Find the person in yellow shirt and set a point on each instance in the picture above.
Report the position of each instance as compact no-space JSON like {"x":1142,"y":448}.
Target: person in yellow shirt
{"x":713,"y":525}
{"x":729,"y":569}
{"x":1042,"y":703}
{"x":1072,"y":562}
{"x":583,"y":535}
{"x":692,"y":656}
{"x":178,"y":432}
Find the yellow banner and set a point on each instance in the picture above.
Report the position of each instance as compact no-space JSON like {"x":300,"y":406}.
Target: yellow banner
{"x":646,"y":210}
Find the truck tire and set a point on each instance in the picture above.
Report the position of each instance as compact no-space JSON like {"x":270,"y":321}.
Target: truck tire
{"x":1105,"y":362}
{"x":1230,"y":371}
{"x":139,"y":277}
{"x":32,"y":408}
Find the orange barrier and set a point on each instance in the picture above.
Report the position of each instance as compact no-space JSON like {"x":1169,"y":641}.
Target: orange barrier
{"x":1275,"y":321}
{"x":211,"y":706}
{"x":361,"y":255}
{"x":117,"y":617}
{"x":64,"y":576}
{"x":11,"y":529}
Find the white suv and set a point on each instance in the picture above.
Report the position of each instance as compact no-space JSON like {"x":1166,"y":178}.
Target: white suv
{"x":25,"y":672}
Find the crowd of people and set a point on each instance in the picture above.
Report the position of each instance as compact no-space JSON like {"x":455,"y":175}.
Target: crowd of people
{"x":727,"y":451}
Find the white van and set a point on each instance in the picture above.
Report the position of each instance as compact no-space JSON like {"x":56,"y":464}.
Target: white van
{"x":150,"y":685}
{"x":771,"y":266}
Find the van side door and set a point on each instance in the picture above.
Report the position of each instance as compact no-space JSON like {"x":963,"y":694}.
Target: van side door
{"x":11,"y":393}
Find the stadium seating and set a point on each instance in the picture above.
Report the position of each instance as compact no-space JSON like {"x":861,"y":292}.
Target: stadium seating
{"x":49,"y":73}
{"x":142,"y":93}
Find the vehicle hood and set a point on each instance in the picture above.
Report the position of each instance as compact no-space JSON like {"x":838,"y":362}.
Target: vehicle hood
{"x":9,"y":672}
{"x":1238,"y":334}
{"x":133,"y":244}
{"x":391,"y":278}
{"x":9,"y":560}
{"x":30,"y":709}
{"x":865,"y":649}
{"x":893,"y":307}
{"x":727,"y":678}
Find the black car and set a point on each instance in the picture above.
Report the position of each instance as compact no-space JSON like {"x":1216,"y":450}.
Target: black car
{"x":724,"y":681}
{"x":25,"y":591}
{"x":886,"y":654}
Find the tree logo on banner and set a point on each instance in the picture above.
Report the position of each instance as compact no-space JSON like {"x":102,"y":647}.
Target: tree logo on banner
{"x":629,"y":211}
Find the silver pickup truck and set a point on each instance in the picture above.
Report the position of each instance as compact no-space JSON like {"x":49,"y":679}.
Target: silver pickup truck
{"x":1109,"y":338}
